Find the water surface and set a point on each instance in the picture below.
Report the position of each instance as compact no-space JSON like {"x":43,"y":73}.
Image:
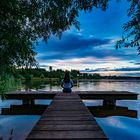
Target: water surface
{"x":116,"y":127}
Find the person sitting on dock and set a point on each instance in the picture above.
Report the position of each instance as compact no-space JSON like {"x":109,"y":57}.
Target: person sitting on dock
{"x":67,"y":83}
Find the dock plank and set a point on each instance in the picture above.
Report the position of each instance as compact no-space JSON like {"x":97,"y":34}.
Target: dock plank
{"x":67,"y":118}
{"x":49,"y":135}
{"x":83,"y":127}
{"x":66,"y":122}
{"x":81,"y":118}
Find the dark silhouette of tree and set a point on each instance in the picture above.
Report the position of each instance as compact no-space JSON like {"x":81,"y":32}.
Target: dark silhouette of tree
{"x":131,"y":34}
{"x":23,"y":22}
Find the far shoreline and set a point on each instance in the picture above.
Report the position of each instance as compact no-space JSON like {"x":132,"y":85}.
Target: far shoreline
{"x":118,"y":79}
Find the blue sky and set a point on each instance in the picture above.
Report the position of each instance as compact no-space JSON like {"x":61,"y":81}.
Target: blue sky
{"x":93,"y":47}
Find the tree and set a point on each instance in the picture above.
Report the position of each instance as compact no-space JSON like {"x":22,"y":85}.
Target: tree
{"x":131,"y":35}
{"x":23,"y":22}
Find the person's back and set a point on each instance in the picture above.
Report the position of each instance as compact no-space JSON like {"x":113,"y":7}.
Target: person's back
{"x":67,"y":83}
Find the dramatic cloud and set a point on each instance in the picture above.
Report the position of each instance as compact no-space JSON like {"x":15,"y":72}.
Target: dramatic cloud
{"x":128,"y":69}
{"x":70,"y":46}
{"x":75,"y":46}
{"x":137,"y":63}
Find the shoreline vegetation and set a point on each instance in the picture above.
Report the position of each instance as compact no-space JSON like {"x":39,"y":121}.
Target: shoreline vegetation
{"x":15,"y":78}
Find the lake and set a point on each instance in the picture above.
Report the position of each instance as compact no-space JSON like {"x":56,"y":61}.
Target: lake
{"x":118,"y":126}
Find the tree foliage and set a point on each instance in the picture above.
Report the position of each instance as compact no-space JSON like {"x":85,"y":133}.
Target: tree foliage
{"x":23,"y":22}
{"x":131,"y":34}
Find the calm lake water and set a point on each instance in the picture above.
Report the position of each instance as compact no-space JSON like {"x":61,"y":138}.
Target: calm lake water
{"x":116,"y":127}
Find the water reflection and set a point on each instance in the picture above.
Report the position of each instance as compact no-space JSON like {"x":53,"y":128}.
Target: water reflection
{"x":99,"y":86}
{"x":24,"y":110}
{"x":29,"y":85}
{"x":103,"y":111}
{"x":82,"y":86}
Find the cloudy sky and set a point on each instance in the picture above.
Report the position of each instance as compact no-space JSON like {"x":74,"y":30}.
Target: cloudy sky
{"x":92,"y":48}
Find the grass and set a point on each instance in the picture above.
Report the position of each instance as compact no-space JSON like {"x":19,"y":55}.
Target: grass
{"x":8,"y":83}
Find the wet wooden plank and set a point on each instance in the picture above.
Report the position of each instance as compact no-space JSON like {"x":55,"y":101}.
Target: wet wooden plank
{"x":73,"y":114}
{"x":69,"y":127}
{"x":66,"y":112}
{"x":41,"y":122}
{"x":80,"y":118}
{"x":66,"y":135}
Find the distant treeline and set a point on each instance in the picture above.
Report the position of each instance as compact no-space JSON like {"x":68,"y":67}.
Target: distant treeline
{"x":30,"y":73}
{"x":121,"y":77}
{"x":98,"y":76}
{"x":38,"y":73}
{"x":42,"y":73}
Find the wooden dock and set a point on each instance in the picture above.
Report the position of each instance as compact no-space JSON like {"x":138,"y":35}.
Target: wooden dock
{"x":67,"y":118}
{"x":108,"y":97}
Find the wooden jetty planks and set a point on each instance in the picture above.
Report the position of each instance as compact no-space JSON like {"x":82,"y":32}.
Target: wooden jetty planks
{"x":69,"y":127}
{"x":67,"y":118}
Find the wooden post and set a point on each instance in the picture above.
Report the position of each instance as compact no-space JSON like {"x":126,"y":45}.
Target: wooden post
{"x":109,"y":103}
{"x":32,"y":102}
{"x":25,"y":102}
{"x":28,"y":102}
